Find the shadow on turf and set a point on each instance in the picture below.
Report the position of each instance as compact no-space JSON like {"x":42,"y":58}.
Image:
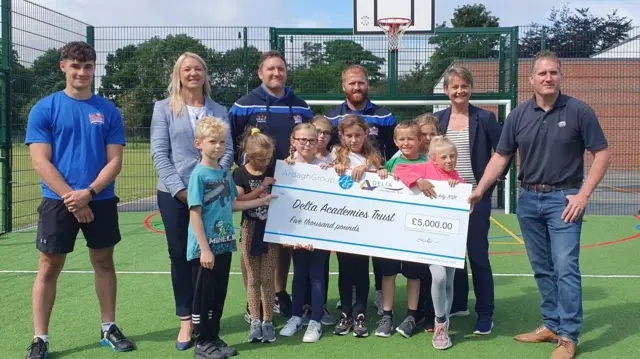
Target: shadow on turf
{"x":520,"y":314}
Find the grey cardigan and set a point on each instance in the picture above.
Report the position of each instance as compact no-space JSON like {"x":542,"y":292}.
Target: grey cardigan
{"x":173,"y":152}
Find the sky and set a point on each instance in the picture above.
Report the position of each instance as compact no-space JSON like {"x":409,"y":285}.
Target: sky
{"x":299,"y":13}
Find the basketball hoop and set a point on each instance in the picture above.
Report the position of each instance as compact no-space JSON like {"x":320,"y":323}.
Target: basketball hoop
{"x":394,"y":28}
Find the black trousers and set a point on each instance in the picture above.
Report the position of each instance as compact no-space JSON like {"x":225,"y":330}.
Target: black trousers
{"x":175,"y":217}
{"x":353,"y":270}
{"x":210,"y":292}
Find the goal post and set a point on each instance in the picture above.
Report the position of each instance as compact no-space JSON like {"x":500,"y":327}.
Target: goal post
{"x":497,"y":102}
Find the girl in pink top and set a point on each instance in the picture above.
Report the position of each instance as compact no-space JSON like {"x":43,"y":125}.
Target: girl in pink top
{"x":441,"y":167}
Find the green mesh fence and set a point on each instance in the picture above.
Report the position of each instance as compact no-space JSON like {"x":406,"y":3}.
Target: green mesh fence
{"x":134,"y":64}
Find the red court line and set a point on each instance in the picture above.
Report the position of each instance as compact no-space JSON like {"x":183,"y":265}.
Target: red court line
{"x":147,"y":223}
{"x":588,"y":245}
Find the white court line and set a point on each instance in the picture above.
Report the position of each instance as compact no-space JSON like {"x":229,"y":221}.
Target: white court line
{"x":291,"y":273}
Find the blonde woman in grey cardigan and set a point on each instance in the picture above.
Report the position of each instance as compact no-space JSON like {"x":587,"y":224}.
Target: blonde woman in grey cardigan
{"x":174,"y":157}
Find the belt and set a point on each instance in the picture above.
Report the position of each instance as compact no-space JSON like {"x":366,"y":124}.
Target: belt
{"x":545,"y":188}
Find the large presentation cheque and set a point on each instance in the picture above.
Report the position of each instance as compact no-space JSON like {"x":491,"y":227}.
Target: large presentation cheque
{"x":381,"y":218}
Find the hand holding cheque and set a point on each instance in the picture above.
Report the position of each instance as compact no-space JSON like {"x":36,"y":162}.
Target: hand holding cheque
{"x":372,"y":216}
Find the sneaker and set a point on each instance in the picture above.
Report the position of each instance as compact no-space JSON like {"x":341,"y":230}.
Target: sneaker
{"x":407,"y":326}
{"x":345,"y":325}
{"x":268,"y":332}
{"x":306,"y":315}
{"x":441,"y":339}
{"x":294,"y":324}
{"x":224,"y":348}
{"x":116,"y":340}
{"x":327,"y":318}
{"x":283,"y":305}
{"x":377,"y":303}
{"x":360,"y":329}
{"x":38,"y":349}
{"x":484,"y":325}
{"x":313,"y":332}
{"x":208,"y":350}
{"x":460,"y":313}
{"x":255,"y":332}
{"x":385,"y":327}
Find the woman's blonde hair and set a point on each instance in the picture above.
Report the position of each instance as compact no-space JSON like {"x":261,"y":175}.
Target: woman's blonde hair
{"x":300,"y":126}
{"x":175,"y":98}
{"x":256,"y":144}
{"x":372,"y":155}
{"x":439,"y":144}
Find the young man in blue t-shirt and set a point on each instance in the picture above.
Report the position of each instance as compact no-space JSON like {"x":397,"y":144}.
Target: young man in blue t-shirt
{"x":211,"y":197}
{"x":76,"y":139}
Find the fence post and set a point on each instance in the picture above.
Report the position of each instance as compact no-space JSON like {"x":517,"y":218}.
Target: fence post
{"x":92,"y":42}
{"x":392,"y":67}
{"x":5,"y":130}
{"x":245,"y":59}
{"x":502,"y":59}
{"x":273,"y":38}
{"x":513,"y":90}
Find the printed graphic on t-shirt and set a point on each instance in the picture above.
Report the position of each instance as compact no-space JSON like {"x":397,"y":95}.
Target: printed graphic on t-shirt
{"x":218,"y":190}
{"x":259,"y":212}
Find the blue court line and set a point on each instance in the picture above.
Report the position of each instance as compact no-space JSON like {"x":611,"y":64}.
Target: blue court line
{"x":369,"y":198}
{"x":363,"y":245}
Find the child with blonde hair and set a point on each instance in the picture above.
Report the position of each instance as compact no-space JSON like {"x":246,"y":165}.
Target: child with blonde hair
{"x":212,"y":199}
{"x":443,"y":155}
{"x":254,"y":180}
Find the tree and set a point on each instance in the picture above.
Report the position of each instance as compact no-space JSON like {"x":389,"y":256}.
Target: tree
{"x":227,"y":74}
{"x":137,"y":75}
{"x":453,"y":47}
{"x":322,"y":63}
{"x":22,"y":80}
{"x":575,"y":33}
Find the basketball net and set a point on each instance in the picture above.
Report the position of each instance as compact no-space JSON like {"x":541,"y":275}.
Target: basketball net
{"x":394,"y":28}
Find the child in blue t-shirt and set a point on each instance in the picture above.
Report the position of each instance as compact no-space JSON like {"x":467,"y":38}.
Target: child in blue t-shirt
{"x":211,"y":198}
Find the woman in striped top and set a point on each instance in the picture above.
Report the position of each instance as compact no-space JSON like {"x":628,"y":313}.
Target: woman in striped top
{"x":475,"y":133}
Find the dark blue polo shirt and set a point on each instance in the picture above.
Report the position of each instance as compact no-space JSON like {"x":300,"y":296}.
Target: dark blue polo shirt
{"x":552,"y":144}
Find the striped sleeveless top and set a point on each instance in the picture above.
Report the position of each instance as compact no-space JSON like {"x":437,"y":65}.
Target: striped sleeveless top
{"x":463,"y":165}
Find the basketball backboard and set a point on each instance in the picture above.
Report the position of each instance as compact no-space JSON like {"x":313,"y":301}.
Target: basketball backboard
{"x":366,"y":14}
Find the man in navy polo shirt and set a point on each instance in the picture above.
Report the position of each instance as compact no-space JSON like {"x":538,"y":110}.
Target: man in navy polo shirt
{"x":552,"y":131}
{"x":381,"y":123}
{"x":76,"y":139}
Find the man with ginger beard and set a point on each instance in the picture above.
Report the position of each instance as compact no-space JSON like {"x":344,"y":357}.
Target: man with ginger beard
{"x":381,"y":122}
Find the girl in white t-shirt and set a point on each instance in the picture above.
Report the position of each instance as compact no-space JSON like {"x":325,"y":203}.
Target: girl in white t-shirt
{"x":356,"y":154}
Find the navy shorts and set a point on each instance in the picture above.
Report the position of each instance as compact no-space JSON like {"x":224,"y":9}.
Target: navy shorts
{"x":410,"y":270}
{"x":58,"y":228}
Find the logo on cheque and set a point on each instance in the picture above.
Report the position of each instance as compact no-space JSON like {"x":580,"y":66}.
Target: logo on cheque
{"x":345,"y":182}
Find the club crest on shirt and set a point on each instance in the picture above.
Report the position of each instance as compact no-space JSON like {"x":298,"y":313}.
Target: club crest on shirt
{"x":297,"y":119}
{"x":373,"y":131}
{"x":96,"y":118}
{"x":562,"y":124}
{"x":261,"y":118}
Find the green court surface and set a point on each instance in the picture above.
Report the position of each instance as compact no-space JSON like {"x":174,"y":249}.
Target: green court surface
{"x":611,"y":282}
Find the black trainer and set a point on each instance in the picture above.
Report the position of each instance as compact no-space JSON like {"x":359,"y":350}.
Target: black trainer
{"x":344,"y":325}
{"x":283,"y":305}
{"x":224,"y":348}
{"x":208,"y":350}
{"x":116,"y":340}
{"x":360,"y":329}
{"x":385,"y":327}
{"x":38,"y":349}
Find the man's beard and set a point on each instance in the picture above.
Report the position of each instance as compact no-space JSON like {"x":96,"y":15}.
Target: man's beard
{"x":358,"y":98}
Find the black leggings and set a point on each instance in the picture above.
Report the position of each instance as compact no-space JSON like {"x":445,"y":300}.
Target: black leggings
{"x":353,"y":270}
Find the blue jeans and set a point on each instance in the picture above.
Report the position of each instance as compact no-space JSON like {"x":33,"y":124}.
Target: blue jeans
{"x":553,"y":247}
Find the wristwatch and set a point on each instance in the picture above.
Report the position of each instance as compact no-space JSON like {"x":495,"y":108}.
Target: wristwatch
{"x":92,"y":191}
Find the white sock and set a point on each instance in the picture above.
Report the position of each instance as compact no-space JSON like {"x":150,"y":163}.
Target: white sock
{"x":107,"y":325}
{"x":44,"y":337}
